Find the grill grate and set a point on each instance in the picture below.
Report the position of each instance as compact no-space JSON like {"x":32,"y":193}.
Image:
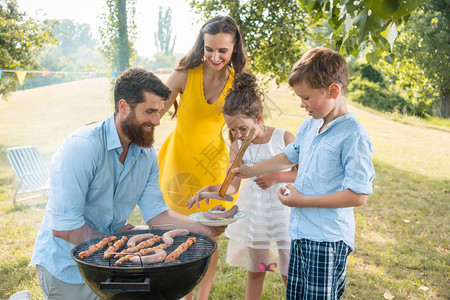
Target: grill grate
{"x":203,"y":247}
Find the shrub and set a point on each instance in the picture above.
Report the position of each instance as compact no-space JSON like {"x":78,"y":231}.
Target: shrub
{"x":373,"y":95}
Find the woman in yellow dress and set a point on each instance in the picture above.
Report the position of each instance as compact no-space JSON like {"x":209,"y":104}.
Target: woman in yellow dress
{"x":195,"y":155}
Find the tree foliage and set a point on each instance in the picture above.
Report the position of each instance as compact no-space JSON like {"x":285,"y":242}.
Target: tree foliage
{"x":21,"y":39}
{"x":75,"y":51}
{"x":422,"y":58}
{"x":275,"y":31}
{"x":72,"y":35}
{"x":163,"y":38}
{"x":117,"y":34}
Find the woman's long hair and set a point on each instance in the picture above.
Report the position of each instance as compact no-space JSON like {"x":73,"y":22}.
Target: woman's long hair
{"x":219,"y":24}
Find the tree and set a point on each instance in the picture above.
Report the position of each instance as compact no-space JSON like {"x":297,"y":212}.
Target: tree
{"x":74,"y":51}
{"x":117,"y":34}
{"x":71,"y":35}
{"x":422,"y":59}
{"x":275,"y":31}
{"x":164,"y":35}
{"x":21,"y":39}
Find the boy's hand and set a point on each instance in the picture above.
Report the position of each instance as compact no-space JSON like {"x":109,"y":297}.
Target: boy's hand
{"x":289,"y":196}
{"x":242,"y":171}
{"x":265,"y":181}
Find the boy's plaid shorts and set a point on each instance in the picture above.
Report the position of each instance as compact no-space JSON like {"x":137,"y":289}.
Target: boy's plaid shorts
{"x":317,"y":269}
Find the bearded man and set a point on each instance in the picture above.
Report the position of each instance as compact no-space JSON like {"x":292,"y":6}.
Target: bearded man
{"x":97,"y":177}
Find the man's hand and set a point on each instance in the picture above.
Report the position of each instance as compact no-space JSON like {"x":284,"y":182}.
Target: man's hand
{"x":127,"y":227}
{"x":214,"y":230}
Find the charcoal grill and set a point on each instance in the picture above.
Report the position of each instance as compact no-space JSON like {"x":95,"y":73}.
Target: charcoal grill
{"x":162,"y":280}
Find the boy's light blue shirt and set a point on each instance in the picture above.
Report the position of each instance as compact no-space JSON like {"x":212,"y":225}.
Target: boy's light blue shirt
{"x":90,"y":185}
{"x":338,"y":158}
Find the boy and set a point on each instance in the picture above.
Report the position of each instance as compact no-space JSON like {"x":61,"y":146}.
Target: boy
{"x":335,"y":174}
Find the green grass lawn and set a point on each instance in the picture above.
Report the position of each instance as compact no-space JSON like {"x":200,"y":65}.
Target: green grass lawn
{"x":402,"y":242}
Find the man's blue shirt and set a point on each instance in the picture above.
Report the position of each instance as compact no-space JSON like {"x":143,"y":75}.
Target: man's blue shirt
{"x":90,"y":185}
{"x":338,"y":158}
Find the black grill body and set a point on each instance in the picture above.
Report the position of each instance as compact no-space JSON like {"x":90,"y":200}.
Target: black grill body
{"x":162,"y":280}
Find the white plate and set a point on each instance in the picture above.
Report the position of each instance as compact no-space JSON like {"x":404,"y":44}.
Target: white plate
{"x":198,"y":216}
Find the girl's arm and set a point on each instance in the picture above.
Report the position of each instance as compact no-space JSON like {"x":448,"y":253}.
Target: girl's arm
{"x":232,"y":189}
{"x":176,"y":83}
{"x":265,"y":181}
{"x":345,"y":198}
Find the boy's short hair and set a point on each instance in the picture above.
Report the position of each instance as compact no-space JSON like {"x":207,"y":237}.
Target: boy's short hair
{"x":320,"y":67}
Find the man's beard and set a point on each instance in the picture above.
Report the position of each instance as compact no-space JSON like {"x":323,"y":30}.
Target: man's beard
{"x":136,"y":132}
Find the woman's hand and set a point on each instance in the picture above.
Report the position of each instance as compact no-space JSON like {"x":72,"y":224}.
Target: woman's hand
{"x":265,"y":181}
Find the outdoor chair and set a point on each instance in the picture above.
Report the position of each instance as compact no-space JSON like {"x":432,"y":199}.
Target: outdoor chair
{"x":30,"y":171}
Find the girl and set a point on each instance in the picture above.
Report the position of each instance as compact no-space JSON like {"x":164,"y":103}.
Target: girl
{"x":259,"y":242}
{"x":195,"y":154}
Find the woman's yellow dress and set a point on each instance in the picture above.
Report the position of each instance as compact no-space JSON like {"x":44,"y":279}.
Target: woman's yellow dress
{"x":194,"y":155}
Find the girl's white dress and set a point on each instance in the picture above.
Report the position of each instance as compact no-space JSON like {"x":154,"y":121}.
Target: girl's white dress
{"x":260,"y":241}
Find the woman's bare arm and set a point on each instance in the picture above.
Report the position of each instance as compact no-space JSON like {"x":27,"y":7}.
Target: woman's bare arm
{"x":176,"y":83}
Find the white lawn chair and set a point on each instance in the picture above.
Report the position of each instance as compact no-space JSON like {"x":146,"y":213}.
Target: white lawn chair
{"x":30,"y":171}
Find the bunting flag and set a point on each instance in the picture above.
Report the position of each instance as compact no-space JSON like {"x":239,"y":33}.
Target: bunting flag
{"x":114,"y":74}
{"x":1,"y":73}
{"x":21,"y":76}
{"x":46,"y":73}
{"x":92,"y":74}
{"x":160,"y":71}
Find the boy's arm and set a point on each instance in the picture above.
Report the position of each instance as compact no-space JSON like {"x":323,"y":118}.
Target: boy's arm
{"x":345,"y":198}
{"x":265,"y":181}
{"x":275,"y":164}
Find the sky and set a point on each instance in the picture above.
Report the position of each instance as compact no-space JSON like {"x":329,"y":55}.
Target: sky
{"x":185,"y":24}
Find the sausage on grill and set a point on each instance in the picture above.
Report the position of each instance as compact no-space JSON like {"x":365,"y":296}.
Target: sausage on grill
{"x":169,"y":235}
{"x":97,"y":247}
{"x":116,"y":246}
{"x":159,"y":256}
{"x":139,"y":238}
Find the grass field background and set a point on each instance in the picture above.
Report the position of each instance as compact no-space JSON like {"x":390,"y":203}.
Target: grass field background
{"x":402,"y":240}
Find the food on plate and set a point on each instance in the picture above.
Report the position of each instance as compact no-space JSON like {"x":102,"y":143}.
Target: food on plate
{"x":97,"y":247}
{"x":182,"y":248}
{"x":142,"y":252}
{"x":169,"y":235}
{"x":222,"y":215}
{"x":116,"y":246}
{"x":140,"y":246}
{"x":159,"y":256}
{"x":209,"y":195}
{"x":139,"y":238}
